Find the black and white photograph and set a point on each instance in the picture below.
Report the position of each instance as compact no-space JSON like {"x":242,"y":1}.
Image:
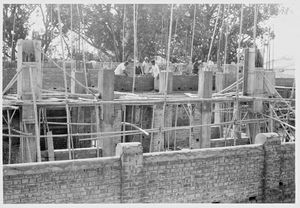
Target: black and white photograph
{"x":158,"y":102}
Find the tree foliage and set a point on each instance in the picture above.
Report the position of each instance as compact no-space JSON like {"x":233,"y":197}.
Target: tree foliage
{"x":101,"y":25}
{"x":15,"y":26}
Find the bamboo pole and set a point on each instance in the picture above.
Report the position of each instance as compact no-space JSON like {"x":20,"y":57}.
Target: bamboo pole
{"x":134,"y":46}
{"x":152,"y":130}
{"x":123,"y":123}
{"x":21,"y":141}
{"x":190,"y":130}
{"x":152,"y":126}
{"x":175,"y":125}
{"x":213,"y":36}
{"x":65,"y":82}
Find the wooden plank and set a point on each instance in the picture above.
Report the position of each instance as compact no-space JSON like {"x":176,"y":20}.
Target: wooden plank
{"x":50,"y":146}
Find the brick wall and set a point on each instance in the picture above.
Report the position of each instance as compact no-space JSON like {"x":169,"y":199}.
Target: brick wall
{"x":261,"y":172}
{"x":207,"y":175}
{"x":81,"y":181}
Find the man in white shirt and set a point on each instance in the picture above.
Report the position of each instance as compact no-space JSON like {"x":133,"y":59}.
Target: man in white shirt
{"x":155,"y":73}
{"x":121,"y":69}
{"x":146,"y":66}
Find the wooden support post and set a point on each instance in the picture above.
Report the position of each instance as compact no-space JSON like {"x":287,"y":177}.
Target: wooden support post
{"x":21,"y":142}
{"x":9,"y":138}
{"x":99,"y":141}
{"x":50,"y":146}
{"x":271,"y":121}
{"x":176,"y":118}
{"x":246,"y":70}
{"x":124,"y":120}
{"x":191,"y":123}
{"x":205,"y":91}
{"x":152,"y":126}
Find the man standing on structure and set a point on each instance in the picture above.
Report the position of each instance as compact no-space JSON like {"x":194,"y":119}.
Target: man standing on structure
{"x":146,"y":66}
{"x":155,"y":73}
{"x":121,"y":69}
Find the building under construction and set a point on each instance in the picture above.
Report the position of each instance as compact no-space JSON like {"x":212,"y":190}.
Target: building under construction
{"x":87,"y":135}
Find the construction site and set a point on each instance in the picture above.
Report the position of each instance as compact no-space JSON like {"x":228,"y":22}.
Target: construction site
{"x":74,"y":132}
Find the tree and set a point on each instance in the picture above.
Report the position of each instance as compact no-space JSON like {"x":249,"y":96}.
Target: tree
{"x":15,"y":26}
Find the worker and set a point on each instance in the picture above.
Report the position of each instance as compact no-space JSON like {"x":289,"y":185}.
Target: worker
{"x":121,"y":69}
{"x":196,"y":66}
{"x":146,"y":66}
{"x":154,"y":70}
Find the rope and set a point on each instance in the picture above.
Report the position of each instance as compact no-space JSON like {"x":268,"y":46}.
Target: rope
{"x":213,"y":36}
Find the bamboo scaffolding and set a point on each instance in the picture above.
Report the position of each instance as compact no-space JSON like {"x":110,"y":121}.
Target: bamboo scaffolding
{"x":49,"y":103}
{"x":152,"y":130}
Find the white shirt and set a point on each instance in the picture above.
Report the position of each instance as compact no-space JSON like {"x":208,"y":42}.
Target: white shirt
{"x":120,"y":69}
{"x":154,"y":70}
{"x":146,"y":67}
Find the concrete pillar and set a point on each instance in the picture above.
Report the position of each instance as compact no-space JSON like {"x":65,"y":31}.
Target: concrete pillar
{"x":205,"y":91}
{"x":106,"y":93}
{"x":132,"y":176}
{"x":106,"y":81}
{"x":205,"y":84}
{"x":271,"y":180}
{"x":29,"y":56}
{"x":162,"y":82}
{"x":158,"y":138}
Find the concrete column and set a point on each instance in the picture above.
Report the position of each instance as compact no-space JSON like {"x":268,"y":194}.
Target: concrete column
{"x":205,"y":91}
{"x":162,"y":82}
{"x":271,"y":176}
{"x":205,"y":84}
{"x":132,"y":177}
{"x":106,"y":93}
{"x":158,"y":138}
{"x":29,"y":56}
